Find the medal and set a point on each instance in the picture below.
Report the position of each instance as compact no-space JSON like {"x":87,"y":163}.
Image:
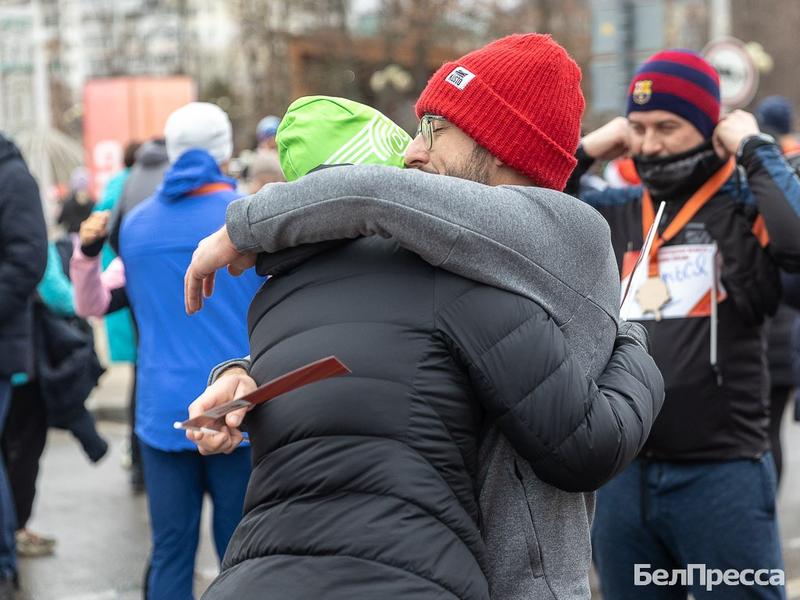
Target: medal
{"x":652,"y":296}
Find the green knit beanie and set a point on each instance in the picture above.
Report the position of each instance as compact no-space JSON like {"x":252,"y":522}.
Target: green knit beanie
{"x":323,"y":130}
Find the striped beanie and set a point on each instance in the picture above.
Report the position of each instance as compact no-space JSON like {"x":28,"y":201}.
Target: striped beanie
{"x":681,"y":82}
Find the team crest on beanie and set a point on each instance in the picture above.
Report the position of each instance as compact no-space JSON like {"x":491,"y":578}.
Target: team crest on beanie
{"x":643,"y":91}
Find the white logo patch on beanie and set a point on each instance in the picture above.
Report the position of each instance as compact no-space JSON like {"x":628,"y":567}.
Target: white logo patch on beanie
{"x":460,"y":77}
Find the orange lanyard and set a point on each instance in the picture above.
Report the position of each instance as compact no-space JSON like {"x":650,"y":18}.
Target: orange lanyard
{"x":210,"y":188}
{"x":685,"y":214}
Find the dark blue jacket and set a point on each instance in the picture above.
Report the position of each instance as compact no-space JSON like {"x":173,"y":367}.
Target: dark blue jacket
{"x":23,"y":256}
{"x":783,"y":350}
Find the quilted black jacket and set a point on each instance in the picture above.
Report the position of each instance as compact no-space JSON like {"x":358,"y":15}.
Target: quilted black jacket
{"x":23,"y":256}
{"x":364,"y":486}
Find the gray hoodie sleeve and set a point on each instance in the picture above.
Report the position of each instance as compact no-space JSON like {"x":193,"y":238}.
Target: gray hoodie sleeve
{"x":576,"y":433}
{"x":542,"y":244}
{"x":348,"y":202}
{"x":242,"y":363}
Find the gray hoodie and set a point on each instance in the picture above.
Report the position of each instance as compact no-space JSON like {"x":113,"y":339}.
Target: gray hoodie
{"x":146,"y":175}
{"x":542,"y":244}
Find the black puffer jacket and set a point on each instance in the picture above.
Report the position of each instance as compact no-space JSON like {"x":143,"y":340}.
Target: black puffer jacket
{"x":23,"y":257}
{"x":364,"y":486}
{"x":779,"y":347}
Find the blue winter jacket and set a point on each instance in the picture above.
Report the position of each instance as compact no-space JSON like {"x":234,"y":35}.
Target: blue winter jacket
{"x":176,"y":351}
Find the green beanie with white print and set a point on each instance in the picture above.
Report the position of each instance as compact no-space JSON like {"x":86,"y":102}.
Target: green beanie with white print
{"x":323,"y":130}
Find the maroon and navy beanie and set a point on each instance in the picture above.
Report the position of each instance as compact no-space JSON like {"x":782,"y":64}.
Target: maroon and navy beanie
{"x":520,"y":98}
{"x":681,"y":82}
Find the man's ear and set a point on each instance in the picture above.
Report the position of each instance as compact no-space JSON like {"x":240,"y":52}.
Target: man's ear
{"x":497,"y":162}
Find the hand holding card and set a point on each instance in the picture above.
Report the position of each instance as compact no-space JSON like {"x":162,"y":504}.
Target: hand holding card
{"x":213,"y":420}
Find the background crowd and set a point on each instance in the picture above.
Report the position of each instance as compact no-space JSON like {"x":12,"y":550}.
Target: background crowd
{"x":695,"y":481}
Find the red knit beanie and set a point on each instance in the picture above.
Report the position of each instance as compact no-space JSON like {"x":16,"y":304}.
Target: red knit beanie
{"x":520,"y":98}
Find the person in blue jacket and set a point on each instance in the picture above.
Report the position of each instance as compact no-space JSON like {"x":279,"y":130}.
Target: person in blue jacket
{"x":176,"y":352}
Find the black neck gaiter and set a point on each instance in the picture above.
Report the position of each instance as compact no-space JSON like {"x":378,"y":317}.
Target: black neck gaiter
{"x":675,"y":178}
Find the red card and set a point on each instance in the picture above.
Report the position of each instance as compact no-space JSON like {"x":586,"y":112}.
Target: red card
{"x":318,"y":370}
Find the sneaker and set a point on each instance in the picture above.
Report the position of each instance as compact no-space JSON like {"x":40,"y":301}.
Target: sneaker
{"x":31,"y":545}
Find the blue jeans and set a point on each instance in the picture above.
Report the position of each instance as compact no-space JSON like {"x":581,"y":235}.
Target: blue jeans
{"x":670,"y":515}
{"x":8,"y":517}
{"x":176,"y":483}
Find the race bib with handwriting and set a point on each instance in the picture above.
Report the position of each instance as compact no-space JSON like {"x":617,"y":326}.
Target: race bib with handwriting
{"x":689,"y":274}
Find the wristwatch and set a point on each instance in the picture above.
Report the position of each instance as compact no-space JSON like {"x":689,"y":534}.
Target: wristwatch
{"x":764,"y":137}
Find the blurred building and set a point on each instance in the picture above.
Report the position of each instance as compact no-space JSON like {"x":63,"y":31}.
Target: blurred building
{"x":253,"y":57}
{"x":212,"y":41}
{"x":28,"y":58}
{"x":16,"y":68}
{"x":102,"y":38}
{"x":624,"y":33}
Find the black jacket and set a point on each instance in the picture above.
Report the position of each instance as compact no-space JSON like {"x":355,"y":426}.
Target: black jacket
{"x":67,"y":368}
{"x":364,"y":486}
{"x":779,"y":347}
{"x":75,"y":209}
{"x":718,"y":414}
{"x":23,"y":257}
{"x":780,"y":354}
{"x":791,"y":298}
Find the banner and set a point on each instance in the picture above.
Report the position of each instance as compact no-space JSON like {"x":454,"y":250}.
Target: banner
{"x":123,"y":109}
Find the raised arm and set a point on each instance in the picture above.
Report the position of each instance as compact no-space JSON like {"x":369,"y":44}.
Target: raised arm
{"x":96,"y":293}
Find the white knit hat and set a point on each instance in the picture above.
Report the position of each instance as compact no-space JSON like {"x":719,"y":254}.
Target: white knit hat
{"x":199,"y":125}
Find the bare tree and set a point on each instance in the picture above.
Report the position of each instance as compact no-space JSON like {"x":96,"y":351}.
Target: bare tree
{"x":266,"y":28}
{"x":773,"y":23}
{"x":417,"y":34}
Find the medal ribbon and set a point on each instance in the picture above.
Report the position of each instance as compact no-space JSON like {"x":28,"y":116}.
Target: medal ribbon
{"x":211,"y":188}
{"x":685,"y":214}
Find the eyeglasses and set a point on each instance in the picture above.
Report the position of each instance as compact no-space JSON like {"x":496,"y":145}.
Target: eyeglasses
{"x":426,"y":129}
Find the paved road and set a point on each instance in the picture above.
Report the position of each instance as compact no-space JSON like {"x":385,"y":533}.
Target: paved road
{"x":102,"y":528}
